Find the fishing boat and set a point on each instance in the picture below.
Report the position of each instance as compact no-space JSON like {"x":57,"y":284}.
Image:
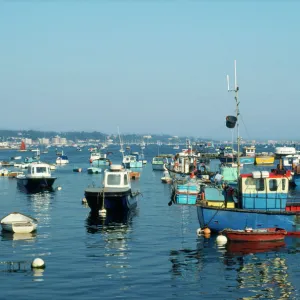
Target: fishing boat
{"x":158,"y":162}
{"x":18,"y":223}
{"x":62,"y":159}
{"x":95,"y":155}
{"x":260,"y":199}
{"x":248,"y":157}
{"x":115,"y":194}
{"x":37,"y":178}
{"x":130,"y":161}
{"x":255,"y":235}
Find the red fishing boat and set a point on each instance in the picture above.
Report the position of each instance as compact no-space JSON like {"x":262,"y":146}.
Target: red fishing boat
{"x":255,"y":235}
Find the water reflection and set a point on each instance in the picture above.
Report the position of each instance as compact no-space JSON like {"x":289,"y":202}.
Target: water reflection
{"x":254,"y":247}
{"x":41,"y":204}
{"x":112,"y":248}
{"x":186,"y":261}
{"x":260,"y":275}
{"x":10,"y":236}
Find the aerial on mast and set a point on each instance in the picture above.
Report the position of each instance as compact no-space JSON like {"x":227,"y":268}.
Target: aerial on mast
{"x":235,"y":90}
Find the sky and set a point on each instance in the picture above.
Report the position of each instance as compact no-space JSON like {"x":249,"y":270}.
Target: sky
{"x":150,"y":66}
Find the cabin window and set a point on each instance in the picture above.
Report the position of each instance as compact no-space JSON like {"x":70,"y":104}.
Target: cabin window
{"x":41,"y":169}
{"x":260,"y":184}
{"x":113,"y":179}
{"x":273,"y":186}
{"x":125,"y":179}
{"x":283,"y":184}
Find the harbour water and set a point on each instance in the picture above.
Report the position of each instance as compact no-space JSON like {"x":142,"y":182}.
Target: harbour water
{"x":151,"y":253}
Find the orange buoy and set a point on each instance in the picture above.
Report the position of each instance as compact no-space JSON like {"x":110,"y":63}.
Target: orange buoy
{"x":206,"y":230}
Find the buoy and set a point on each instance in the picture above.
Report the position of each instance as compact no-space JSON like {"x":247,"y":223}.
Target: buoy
{"x":38,"y":263}
{"x":102,"y":212}
{"x":84,"y":201}
{"x":206,"y":235}
{"x":206,"y":230}
{"x":59,"y":188}
{"x":221,"y":240}
{"x":199,"y":231}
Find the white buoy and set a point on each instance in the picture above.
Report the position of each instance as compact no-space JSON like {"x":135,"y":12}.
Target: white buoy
{"x":38,"y":263}
{"x":102,"y":212}
{"x":221,"y":240}
{"x":199,"y":231}
{"x":59,"y":188}
{"x":84,"y":201}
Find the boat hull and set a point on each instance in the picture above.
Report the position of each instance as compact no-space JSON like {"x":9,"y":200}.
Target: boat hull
{"x":218,"y":219}
{"x":116,"y":201}
{"x":18,"y":223}
{"x":264,"y":160}
{"x":158,"y":167}
{"x":36,"y":184}
{"x":268,"y":235}
{"x":247,"y":160}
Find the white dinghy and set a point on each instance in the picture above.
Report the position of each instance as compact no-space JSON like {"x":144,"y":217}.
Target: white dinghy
{"x":18,"y":223}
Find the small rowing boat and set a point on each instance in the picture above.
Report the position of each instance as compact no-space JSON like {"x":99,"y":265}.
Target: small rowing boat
{"x":255,"y":235}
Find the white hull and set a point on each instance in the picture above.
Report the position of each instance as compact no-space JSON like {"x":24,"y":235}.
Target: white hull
{"x":18,"y":223}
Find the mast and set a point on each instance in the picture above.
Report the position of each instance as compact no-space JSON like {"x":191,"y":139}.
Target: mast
{"x":121,"y":143}
{"x":236,"y":90}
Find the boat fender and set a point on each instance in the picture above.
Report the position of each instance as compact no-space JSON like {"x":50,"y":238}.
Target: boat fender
{"x":199,"y":231}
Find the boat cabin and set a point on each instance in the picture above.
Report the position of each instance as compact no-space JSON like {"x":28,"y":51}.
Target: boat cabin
{"x":38,"y":170}
{"x":116,"y":177}
{"x":291,"y":161}
{"x":129,"y":158}
{"x":264,"y":191}
{"x":285,"y":150}
{"x":159,"y":160}
{"x":249,"y":151}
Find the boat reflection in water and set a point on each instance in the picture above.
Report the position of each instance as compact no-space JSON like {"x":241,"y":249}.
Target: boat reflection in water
{"x":111,"y":250}
{"x":10,"y":236}
{"x":241,"y":248}
{"x":187,"y":261}
{"x":264,"y":273}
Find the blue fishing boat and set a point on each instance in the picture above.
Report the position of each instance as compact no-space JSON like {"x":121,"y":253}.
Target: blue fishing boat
{"x":260,"y":200}
{"x":130,"y":161}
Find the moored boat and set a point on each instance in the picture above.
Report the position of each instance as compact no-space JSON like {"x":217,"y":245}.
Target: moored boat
{"x":37,"y":178}
{"x":18,"y":223}
{"x":255,"y":235}
{"x":116,"y":193}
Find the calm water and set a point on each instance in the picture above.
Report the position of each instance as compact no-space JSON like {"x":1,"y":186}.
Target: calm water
{"x":153,"y":253}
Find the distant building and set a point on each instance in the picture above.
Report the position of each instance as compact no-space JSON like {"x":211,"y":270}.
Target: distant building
{"x":28,"y":141}
{"x":44,"y":141}
{"x":63,"y":141}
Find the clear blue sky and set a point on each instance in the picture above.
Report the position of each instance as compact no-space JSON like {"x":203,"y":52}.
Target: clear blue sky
{"x":150,"y":66}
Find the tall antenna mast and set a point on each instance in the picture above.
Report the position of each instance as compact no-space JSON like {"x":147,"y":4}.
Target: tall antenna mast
{"x":235,"y":90}
{"x":121,"y":143}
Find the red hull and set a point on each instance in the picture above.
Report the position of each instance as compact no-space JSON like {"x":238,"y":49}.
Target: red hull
{"x":258,"y":235}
